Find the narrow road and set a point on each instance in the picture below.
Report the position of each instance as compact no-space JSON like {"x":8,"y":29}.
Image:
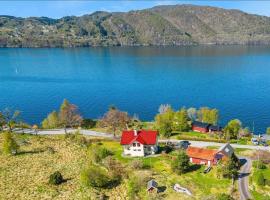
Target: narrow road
{"x":107,"y":135}
{"x":62,"y":131}
{"x":206,"y":144}
{"x":243,"y":179}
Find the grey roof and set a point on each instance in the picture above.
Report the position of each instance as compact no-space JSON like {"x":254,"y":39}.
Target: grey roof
{"x":215,"y":128}
{"x":226,"y":149}
{"x":151,"y":184}
{"x":201,"y":124}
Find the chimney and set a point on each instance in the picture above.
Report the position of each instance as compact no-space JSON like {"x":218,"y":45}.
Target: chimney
{"x":135,"y":132}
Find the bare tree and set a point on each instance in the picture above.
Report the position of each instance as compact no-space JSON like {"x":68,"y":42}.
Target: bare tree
{"x":114,"y":120}
{"x":69,"y":115}
{"x":10,"y":118}
{"x":164,"y":108}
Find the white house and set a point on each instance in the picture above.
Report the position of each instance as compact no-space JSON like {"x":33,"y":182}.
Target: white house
{"x":139,"y":143}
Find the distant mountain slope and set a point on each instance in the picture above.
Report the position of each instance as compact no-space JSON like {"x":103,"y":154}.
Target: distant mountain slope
{"x":161,"y":25}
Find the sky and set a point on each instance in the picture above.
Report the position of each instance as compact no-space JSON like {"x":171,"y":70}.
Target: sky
{"x":58,"y":9}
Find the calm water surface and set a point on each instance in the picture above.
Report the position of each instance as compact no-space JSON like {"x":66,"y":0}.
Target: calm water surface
{"x":235,"y":80}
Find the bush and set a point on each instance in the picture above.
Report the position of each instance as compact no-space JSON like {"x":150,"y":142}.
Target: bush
{"x":267,"y":182}
{"x":50,"y":150}
{"x":181,"y":164}
{"x":95,"y":176}
{"x":224,"y":197}
{"x":136,"y":184}
{"x":260,"y":179}
{"x":98,"y":153}
{"x":136,"y":164}
{"x":115,"y":168}
{"x":9,"y":144}
{"x":259,"y":164}
{"x":56,"y":178}
{"x":88,"y":123}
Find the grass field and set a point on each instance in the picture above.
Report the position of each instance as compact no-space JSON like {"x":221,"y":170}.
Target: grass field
{"x":25,"y":176}
{"x":260,"y":192}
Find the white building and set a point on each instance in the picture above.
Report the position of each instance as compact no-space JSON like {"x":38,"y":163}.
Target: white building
{"x":139,"y":143}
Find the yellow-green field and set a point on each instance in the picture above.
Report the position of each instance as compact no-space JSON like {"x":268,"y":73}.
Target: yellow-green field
{"x":25,"y":176}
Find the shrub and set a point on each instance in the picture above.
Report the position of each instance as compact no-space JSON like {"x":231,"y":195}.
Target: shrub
{"x":136,"y":164}
{"x":267,"y":182}
{"x":88,"y":123}
{"x":259,"y":164}
{"x":9,"y":144}
{"x":166,"y":149}
{"x":224,"y":197}
{"x":97,"y":153}
{"x":181,"y":164}
{"x":95,"y":176}
{"x":115,"y":168}
{"x":136,"y":184}
{"x":260,"y":179}
{"x":50,"y":150}
{"x":56,"y":178}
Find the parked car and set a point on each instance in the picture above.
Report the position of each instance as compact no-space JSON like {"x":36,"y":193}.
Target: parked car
{"x":255,"y":141}
{"x":182,"y":144}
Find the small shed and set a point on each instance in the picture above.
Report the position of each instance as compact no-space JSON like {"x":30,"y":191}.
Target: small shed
{"x":152,"y":186}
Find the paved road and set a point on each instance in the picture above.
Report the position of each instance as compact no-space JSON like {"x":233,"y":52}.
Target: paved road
{"x":243,"y":179}
{"x":62,"y":131}
{"x":100,"y":134}
{"x":206,"y":144}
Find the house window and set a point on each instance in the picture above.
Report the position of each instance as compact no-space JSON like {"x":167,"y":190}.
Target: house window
{"x":139,"y":149}
{"x":149,"y":148}
{"x":138,"y":144}
{"x":134,"y":144}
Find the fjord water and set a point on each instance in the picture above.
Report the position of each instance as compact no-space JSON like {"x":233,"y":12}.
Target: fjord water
{"x":233,"y":79}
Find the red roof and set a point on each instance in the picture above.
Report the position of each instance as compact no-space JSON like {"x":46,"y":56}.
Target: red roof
{"x":147,"y":137}
{"x":201,"y":153}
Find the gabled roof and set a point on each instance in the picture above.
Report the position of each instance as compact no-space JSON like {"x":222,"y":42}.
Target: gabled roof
{"x":151,"y":184}
{"x":146,"y":137}
{"x":215,"y":128}
{"x":226,"y":149}
{"x":201,"y":153}
{"x":200,"y":124}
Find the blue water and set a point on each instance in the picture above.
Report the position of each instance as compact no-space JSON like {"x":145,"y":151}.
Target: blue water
{"x":233,"y":79}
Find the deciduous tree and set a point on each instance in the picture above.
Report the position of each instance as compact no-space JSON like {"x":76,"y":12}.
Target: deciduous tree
{"x":208,"y":115}
{"x":192,"y":114}
{"x":164,"y":122}
{"x":114,"y":120}
{"x":268,"y":131}
{"x":180,"y":120}
{"x":10,"y":118}
{"x":52,"y":121}
{"x":69,"y":115}
{"x":232,"y":128}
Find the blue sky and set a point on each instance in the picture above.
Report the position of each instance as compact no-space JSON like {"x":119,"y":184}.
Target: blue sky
{"x":57,"y":9}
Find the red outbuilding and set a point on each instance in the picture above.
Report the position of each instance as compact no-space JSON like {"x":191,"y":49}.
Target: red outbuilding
{"x":202,"y":156}
{"x":200,"y":127}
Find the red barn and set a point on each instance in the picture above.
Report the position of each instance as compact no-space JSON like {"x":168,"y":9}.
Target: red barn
{"x":200,"y":127}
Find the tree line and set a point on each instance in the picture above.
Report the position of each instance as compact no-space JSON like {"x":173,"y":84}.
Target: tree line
{"x":167,"y":121}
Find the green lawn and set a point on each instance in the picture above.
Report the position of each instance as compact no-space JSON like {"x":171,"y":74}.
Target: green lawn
{"x":259,"y":192}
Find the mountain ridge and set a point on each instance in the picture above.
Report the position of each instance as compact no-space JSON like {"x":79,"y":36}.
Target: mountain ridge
{"x":167,"y":25}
